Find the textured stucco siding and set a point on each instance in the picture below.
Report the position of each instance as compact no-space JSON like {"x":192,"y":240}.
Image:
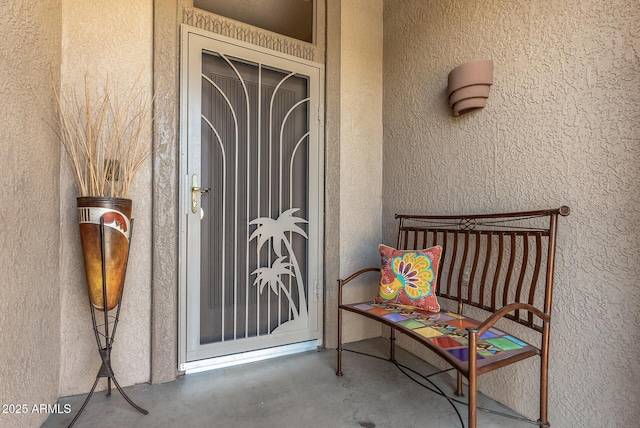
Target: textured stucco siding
{"x":29,"y":214}
{"x":561,"y":127}
{"x":164,"y":321}
{"x":332,"y":173}
{"x":360,"y":151}
{"x":106,"y":40}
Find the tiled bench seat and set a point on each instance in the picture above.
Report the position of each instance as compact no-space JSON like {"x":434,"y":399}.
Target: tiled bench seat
{"x":446,"y":333}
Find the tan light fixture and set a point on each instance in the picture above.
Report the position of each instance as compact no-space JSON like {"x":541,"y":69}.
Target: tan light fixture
{"x":468,"y":86}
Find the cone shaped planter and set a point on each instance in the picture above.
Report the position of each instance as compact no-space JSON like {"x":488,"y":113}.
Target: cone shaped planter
{"x":107,"y":140}
{"x":116,"y":214}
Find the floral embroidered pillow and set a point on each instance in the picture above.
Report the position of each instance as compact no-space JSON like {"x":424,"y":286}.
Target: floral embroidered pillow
{"x":408,"y":277}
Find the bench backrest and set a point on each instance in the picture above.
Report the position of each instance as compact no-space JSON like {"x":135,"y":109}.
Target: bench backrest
{"x":491,"y":260}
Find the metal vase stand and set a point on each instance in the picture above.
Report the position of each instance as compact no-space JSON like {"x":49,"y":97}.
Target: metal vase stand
{"x":102,"y":330}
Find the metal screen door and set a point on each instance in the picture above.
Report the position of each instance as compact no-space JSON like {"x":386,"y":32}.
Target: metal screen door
{"x":252,"y":187}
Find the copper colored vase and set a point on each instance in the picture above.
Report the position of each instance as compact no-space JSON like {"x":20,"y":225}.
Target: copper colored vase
{"x":116,"y":213}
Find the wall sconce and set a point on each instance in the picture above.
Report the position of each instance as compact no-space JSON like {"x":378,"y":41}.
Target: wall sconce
{"x":468,"y":87}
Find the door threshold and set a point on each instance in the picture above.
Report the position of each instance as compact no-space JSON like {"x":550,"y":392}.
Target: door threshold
{"x":248,"y":357}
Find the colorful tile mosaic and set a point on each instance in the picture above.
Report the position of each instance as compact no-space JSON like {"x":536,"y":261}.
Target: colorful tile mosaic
{"x":444,"y":317}
{"x":451,"y":314}
{"x":379,"y":311}
{"x":488,"y":334}
{"x":364,"y":307}
{"x":446,"y":342}
{"x":462,"y":354}
{"x":514,"y":340}
{"x":428,"y":332}
{"x":463,"y":323}
{"x":411,"y":324}
{"x":504,"y":343}
{"x":448,"y":331}
{"x":395,"y":317}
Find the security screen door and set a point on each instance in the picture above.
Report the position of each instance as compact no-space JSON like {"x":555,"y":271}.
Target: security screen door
{"x":252,"y":170}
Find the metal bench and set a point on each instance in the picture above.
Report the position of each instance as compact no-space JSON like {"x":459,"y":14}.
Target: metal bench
{"x":502,"y":264}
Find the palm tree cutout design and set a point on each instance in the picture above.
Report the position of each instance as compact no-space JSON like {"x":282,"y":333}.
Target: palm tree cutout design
{"x":273,"y":277}
{"x":275,"y":233}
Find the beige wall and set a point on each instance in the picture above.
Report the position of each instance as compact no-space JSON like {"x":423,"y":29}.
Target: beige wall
{"x":360,"y":154}
{"x":560,"y":127}
{"x":332,"y":172}
{"x":109,"y":39}
{"x":29,"y":215}
{"x":360,"y":131}
{"x":164,"y":314}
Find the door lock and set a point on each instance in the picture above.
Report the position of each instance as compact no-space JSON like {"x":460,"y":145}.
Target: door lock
{"x":195,"y":190}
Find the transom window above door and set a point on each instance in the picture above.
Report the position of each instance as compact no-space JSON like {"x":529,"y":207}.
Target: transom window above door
{"x":291,"y":18}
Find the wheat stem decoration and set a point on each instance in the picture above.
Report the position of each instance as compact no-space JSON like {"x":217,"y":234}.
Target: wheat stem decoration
{"x":105,"y":139}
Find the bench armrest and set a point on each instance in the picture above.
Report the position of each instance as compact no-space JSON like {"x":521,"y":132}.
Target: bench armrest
{"x":493,"y":319}
{"x":342,"y":282}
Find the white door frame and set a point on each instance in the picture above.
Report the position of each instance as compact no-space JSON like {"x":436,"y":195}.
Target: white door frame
{"x":188,"y":133}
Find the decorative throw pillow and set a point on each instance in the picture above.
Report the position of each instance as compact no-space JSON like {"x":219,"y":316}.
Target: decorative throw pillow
{"x":408,"y":277}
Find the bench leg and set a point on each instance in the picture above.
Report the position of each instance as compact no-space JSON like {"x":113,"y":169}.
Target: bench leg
{"x":471,"y":423}
{"x":544,"y":384}
{"x":339,"y":368}
{"x":473,"y":388}
{"x":459,"y":392}
{"x":392,"y":351}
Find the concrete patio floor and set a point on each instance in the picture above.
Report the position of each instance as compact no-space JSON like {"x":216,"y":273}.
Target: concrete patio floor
{"x":294,"y":391}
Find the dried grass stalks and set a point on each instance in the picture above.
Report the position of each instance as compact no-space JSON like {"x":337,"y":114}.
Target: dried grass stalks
{"x":107,"y":140}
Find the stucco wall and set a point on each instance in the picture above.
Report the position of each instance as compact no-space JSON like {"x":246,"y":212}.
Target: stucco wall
{"x":360,"y":152}
{"x":164,"y":314}
{"x":29,"y":215}
{"x":332,"y":173}
{"x":560,"y":127}
{"x":109,"y":39}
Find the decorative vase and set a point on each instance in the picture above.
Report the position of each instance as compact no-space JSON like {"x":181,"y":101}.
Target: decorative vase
{"x":116,"y":214}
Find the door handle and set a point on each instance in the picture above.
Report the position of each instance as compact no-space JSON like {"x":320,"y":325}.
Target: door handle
{"x":195,"y":190}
